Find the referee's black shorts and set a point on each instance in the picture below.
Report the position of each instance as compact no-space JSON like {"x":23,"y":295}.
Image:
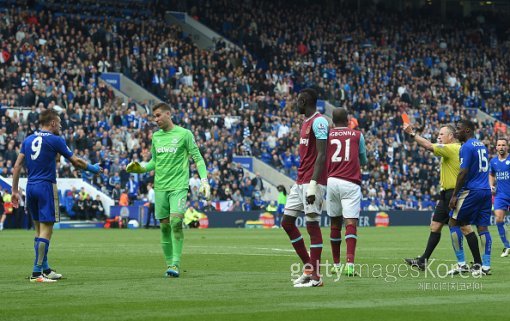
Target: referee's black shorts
{"x":442,"y":210}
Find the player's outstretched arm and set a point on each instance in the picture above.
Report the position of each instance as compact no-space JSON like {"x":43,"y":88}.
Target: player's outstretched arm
{"x":15,"y":179}
{"x":81,"y":164}
{"x":408,"y":129}
{"x":135,"y":167}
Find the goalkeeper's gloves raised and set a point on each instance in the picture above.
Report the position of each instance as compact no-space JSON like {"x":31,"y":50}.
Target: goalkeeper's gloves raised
{"x":135,"y":167}
{"x":93,"y":168}
{"x":205,"y":188}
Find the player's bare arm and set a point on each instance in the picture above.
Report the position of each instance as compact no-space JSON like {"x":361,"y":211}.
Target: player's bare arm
{"x":492,"y":183}
{"x":461,"y":179}
{"x":15,"y":179}
{"x":318,"y":167}
{"x":81,"y":164}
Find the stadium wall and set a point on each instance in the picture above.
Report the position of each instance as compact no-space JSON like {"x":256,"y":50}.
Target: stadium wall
{"x":367,"y":218}
{"x":67,"y":184}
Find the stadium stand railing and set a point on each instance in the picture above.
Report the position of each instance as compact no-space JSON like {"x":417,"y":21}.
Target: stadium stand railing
{"x":203,"y":36}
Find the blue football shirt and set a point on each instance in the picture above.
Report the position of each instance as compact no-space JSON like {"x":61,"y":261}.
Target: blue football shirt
{"x":40,"y":150}
{"x":501,"y":171}
{"x":474,"y":157}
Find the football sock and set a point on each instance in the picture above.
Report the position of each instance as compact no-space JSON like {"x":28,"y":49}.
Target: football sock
{"x":457,"y":242}
{"x":336,"y":239}
{"x":486,"y":239}
{"x":350,"y":239}
{"x":314,"y":231}
{"x":177,"y":239}
{"x":434,"y":239}
{"x":45,"y":265}
{"x":166,"y":242}
{"x":502,"y":234}
{"x":472,"y":241}
{"x":297,"y":240}
{"x":41,"y":249}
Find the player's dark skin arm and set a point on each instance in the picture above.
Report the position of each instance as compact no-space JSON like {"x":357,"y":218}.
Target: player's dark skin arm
{"x":319,"y":164}
{"x":461,"y":179}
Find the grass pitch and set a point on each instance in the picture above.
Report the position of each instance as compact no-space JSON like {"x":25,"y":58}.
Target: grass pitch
{"x":241,"y":274}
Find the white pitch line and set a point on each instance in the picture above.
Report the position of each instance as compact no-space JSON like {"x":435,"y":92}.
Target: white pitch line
{"x":273,"y":249}
{"x":245,"y":254}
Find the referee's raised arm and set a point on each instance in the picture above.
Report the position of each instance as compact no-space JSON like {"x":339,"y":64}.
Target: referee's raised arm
{"x":408,"y":128}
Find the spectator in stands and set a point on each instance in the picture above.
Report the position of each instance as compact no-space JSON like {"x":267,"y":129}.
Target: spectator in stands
{"x":79,"y":208}
{"x":98,"y":209}
{"x":254,"y":86}
{"x":124,"y":198}
{"x":90,"y":212}
{"x":373,"y":206}
{"x":151,"y":199}
{"x":209,"y":207}
{"x":132,"y":188}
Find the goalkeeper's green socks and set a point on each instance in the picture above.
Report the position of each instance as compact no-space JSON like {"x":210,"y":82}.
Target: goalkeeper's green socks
{"x":166,"y":242}
{"x":177,"y":239}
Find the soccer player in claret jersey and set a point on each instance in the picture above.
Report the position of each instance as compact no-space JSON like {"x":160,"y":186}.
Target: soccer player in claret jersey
{"x":499,"y":179}
{"x":39,"y":153}
{"x":308,"y":192}
{"x":471,"y":200}
{"x":172,"y":146}
{"x":346,"y":151}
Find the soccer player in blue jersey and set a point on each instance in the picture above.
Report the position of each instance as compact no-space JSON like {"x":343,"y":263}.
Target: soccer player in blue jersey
{"x":471,"y":201}
{"x":499,"y":180}
{"x":38,"y":153}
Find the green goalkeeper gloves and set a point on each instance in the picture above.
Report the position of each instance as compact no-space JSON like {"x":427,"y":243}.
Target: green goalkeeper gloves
{"x":205,"y":188}
{"x":135,"y":167}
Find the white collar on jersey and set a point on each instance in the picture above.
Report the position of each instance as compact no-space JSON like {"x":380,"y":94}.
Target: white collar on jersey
{"x":311,"y":116}
{"x":341,"y":127}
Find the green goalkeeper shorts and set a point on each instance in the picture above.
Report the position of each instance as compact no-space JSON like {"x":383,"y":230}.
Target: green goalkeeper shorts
{"x":170,"y":202}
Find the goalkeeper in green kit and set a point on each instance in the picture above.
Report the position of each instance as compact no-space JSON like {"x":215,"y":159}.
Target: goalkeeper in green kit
{"x":171,"y":147}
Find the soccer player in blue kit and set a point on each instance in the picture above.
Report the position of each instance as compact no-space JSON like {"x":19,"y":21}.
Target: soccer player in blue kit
{"x":39,"y":152}
{"x":471,"y":201}
{"x":499,"y":180}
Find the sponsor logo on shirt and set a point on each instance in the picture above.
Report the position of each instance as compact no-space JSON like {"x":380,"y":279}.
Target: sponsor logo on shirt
{"x":172,"y":150}
{"x":502,"y":176}
{"x":303,"y":141}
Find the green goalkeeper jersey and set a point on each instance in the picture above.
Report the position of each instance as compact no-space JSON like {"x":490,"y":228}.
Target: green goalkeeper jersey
{"x":170,"y":159}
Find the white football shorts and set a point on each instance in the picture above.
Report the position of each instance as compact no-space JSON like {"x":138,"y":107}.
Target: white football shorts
{"x":343,"y":198}
{"x":296,"y":201}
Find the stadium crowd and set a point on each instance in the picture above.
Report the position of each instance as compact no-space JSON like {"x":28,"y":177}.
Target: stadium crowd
{"x":377,"y":64}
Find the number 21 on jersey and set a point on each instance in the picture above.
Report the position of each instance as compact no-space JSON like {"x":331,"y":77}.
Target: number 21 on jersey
{"x":347,"y":150}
